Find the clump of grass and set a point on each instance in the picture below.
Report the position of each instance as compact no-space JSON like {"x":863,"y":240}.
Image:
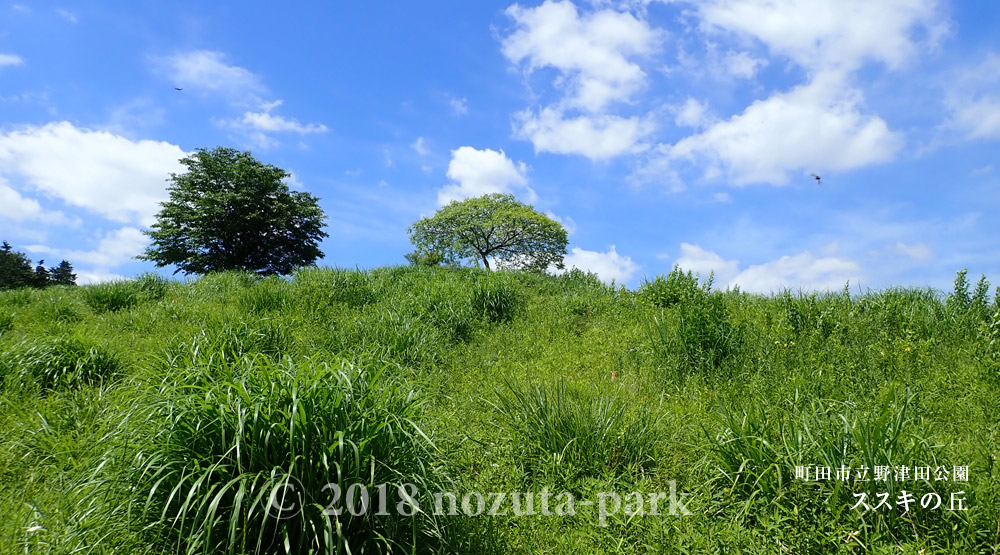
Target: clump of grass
{"x":318,"y":289}
{"x":267,"y":295}
{"x":119,"y":295}
{"x":388,"y":334}
{"x":61,"y":309}
{"x":56,"y":364}
{"x":6,"y":321}
{"x":226,"y":341}
{"x":496,"y":297}
{"x":248,"y":465}
{"x":759,"y":448}
{"x":574,"y":433}
{"x":18,"y":297}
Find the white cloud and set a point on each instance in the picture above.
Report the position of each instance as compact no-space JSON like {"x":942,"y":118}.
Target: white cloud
{"x":607,"y":265}
{"x":17,"y":208}
{"x":973,"y":100}
{"x":591,"y":52}
{"x":459,"y":106}
{"x":420,"y":147}
{"x":479,"y":172}
{"x":693,"y":113}
{"x":208,"y":71}
{"x":594,"y":55}
{"x":293,"y":182}
{"x":91,"y":277}
{"x":742,"y":64}
{"x":721,"y":197}
{"x":704,"y":262}
{"x":104,"y":173}
{"x":568,"y":224}
{"x":814,"y":127}
{"x":799,"y":271}
{"x":916,"y":251}
{"x":832,"y":35}
{"x":595,"y":136}
{"x":11,"y":60}
{"x":113,"y":249}
{"x":265,"y":121}
{"x":67,"y":15}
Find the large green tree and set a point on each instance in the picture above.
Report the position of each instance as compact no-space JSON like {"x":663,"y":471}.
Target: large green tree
{"x":229,"y":211}
{"x":493,"y":226}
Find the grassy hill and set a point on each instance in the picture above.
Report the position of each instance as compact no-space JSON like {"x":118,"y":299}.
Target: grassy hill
{"x":161,"y":417}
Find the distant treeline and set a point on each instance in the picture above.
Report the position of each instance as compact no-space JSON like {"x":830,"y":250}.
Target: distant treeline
{"x":16,"y":271}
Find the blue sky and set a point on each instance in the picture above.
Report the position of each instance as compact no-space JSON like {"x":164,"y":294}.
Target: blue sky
{"x":658,"y":132}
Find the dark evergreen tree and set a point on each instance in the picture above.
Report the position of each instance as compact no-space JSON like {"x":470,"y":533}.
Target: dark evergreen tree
{"x":63,"y":274}
{"x":15,"y":268}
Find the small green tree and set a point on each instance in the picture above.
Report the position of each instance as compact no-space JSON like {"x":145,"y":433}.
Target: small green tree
{"x":42,"y":277}
{"x":62,"y":274}
{"x":493,"y":226}
{"x":231,"y":212}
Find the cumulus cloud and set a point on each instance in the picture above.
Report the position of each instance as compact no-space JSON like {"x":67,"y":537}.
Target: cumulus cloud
{"x":592,"y":52}
{"x":814,"y":127}
{"x":104,"y":173}
{"x":742,"y":64}
{"x":607,"y":265}
{"x":16,"y":208}
{"x":11,"y":60}
{"x":594,"y":56}
{"x":478,"y":172}
{"x":798,"y":271}
{"x":836,"y":35}
{"x":693,"y":113}
{"x":595,"y":136}
{"x":704,"y":262}
{"x":113,"y":249}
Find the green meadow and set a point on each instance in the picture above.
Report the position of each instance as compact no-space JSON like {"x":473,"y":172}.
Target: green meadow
{"x":234,"y":414}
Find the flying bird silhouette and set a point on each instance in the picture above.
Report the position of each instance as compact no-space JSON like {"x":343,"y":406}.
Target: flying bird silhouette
{"x":818,"y":180}
{"x":178,"y":89}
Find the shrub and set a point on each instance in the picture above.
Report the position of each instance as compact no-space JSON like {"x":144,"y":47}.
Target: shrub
{"x":247,"y":466}
{"x":57,"y":364}
{"x":675,"y":288}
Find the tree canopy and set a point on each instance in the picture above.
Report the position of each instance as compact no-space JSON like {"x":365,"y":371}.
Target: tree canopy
{"x":16,"y":271}
{"x":229,"y":211}
{"x":494,"y":226}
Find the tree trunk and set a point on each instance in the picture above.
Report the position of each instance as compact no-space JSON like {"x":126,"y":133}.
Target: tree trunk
{"x":486,"y":262}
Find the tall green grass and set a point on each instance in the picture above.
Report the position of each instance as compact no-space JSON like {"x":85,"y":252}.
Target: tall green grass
{"x":243,"y":465}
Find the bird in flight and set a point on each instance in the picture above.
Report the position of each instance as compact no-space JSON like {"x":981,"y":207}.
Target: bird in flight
{"x":818,"y":180}
{"x":178,"y":89}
